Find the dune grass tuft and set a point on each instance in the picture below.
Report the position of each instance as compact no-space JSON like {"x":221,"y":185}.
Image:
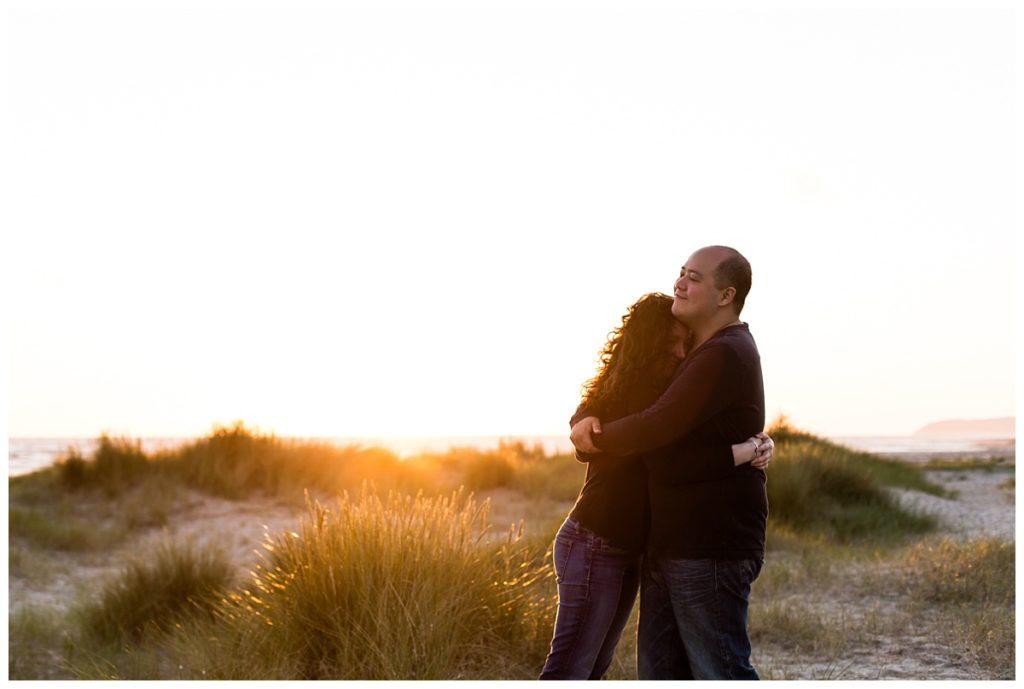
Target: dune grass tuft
{"x":815,"y":486}
{"x":973,"y":585}
{"x":115,"y":464}
{"x":891,"y":473}
{"x":948,"y":571}
{"x":385,"y":588}
{"x":156,"y":591}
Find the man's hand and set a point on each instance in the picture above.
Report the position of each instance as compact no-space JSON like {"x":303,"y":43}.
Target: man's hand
{"x":580,"y":434}
{"x":764,"y":451}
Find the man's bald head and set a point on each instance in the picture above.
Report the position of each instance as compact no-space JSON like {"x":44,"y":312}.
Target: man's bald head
{"x":731,"y":270}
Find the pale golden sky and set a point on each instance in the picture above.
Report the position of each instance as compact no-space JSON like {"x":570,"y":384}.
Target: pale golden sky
{"x":393,"y":218}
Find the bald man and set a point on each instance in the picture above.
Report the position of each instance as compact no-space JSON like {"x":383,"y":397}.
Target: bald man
{"x":706,"y":542}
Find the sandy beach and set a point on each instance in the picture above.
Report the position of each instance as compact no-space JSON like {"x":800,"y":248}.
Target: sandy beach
{"x":983,"y":507}
{"x":895,"y":643}
{"x":238,"y":527}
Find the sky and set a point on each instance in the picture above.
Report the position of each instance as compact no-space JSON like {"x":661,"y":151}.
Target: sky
{"x":409,"y":219}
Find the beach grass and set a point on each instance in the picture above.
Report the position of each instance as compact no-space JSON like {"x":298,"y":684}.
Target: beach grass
{"x":816,"y":486}
{"x":36,"y":643}
{"x":395,"y":587}
{"x":58,"y":528}
{"x":155,"y":591}
{"x":46,"y":530}
{"x":948,"y":571}
{"x":395,"y":572}
{"x":972,"y":587}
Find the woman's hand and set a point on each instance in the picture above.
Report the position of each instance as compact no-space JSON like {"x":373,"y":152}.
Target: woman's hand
{"x":581,"y":434}
{"x":765,"y":449}
{"x":756,"y":449}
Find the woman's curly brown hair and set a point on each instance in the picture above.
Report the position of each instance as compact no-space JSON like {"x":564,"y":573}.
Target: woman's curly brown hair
{"x":636,"y":361}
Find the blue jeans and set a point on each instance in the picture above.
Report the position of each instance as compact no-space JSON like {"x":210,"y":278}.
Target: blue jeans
{"x":693,"y":619}
{"x":597,"y":585}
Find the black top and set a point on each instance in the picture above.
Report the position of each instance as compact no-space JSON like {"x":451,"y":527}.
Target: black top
{"x":613,"y":502}
{"x":698,"y":509}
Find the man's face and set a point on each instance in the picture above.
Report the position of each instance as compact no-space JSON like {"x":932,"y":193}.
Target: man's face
{"x":696,"y":297}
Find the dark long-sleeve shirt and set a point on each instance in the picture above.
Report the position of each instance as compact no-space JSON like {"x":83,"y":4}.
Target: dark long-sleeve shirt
{"x":613,"y":502}
{"x":716,"y":397}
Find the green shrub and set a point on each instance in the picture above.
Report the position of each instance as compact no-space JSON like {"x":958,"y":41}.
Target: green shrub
{"x":115,"y":465}
{"x":817,"y":486}
{"x":118,"y":462}
{"x":157,"y":591}
{"x":72,"y":470}
{"x":232,"y":462}
{"x":882,"y":471}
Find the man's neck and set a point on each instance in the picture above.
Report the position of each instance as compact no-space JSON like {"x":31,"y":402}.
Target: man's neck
{"x":706,"y":331}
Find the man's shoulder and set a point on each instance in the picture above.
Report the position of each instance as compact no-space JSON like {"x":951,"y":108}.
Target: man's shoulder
{"x":732,"y":348}
{"x":734,"y":339}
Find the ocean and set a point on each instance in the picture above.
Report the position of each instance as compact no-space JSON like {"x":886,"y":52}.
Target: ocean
{"x":25,"y":455}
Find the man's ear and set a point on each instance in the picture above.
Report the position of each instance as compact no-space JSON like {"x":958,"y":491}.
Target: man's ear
{"x":727,"y":295}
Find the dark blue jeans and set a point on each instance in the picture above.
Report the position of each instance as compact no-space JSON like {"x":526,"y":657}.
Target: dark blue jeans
{"x":597,"y":584}
{"x":693,"y":619}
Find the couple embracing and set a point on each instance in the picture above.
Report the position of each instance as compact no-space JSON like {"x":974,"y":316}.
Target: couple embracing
{"x":674,"y":500}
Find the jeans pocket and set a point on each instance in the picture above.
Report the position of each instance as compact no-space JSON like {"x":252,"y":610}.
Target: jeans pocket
{"x":751,"y":569}
{"x":560,"y":553}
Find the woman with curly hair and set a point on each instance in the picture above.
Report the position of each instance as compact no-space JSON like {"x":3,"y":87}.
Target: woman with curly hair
{"x":598,"y":549}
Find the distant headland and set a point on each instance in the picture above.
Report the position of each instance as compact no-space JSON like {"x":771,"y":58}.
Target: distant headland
{"x":970,"y":428}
